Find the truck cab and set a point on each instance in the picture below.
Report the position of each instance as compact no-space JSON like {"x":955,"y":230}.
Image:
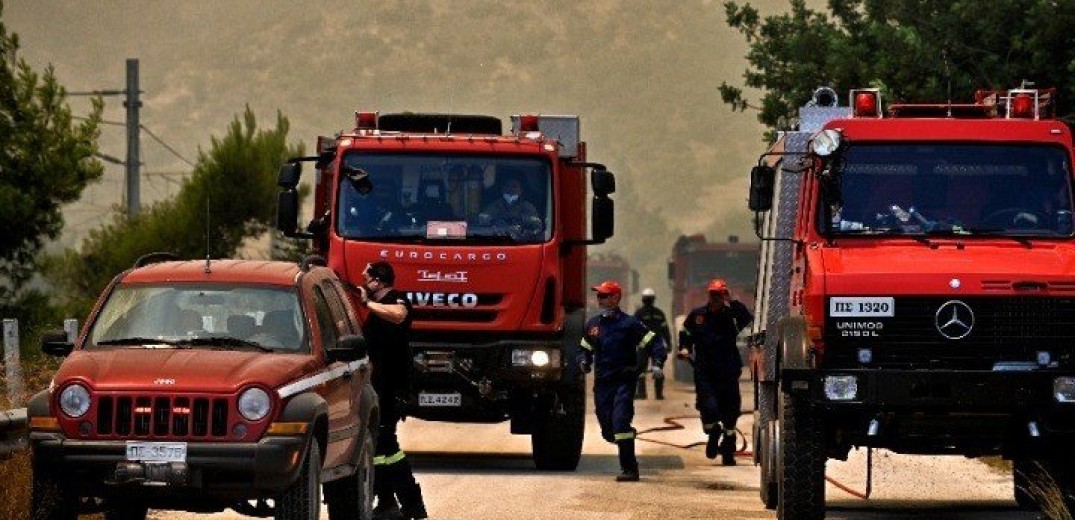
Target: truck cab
{"x":916,"y":280}
{"x":487,"y":233}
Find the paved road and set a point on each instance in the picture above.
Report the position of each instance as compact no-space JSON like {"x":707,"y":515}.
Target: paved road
{"x":479,"y":472}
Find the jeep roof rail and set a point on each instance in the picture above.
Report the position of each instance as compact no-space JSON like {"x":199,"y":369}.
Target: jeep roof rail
{"x":152,"y":258}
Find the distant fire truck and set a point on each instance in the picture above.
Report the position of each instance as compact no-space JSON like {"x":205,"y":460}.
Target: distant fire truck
{"x":610,"y":266}
{"x":695,"y":261}
{"x":917,"y":290}
{"x":487,"y":232}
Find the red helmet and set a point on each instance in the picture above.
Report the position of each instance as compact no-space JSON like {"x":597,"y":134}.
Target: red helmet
{"x":718,"y":285}
{"x":608,"y":287}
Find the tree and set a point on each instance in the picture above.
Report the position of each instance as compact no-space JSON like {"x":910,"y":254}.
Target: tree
{"x":45,"y":161}
{"x":230,"y":196}
{"x":914,"y":50}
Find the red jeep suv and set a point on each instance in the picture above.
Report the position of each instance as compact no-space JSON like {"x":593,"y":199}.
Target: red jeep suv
{"x":203,"y":385}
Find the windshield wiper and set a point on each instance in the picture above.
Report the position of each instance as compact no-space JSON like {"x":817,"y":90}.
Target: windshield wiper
{"x":492,"y":239}
{"x":997,"y":232}
{"x":137,"y":340}
{"x":224,"y":341}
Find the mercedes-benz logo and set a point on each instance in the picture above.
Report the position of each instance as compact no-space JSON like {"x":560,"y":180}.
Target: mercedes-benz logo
{"x":954,"y":319}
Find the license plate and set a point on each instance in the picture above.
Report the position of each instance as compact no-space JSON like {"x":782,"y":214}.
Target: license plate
{"x":156,"y":451}
{"x":454,"y":399}
{"x":861,"y":307}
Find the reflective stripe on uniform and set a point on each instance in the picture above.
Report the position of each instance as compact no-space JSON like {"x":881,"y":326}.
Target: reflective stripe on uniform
{"x":586,"y":344}
{"x":624,"y":436}
{"x":708,"y":427}
{"x":384,"y":460}
{"x":646,"y":339}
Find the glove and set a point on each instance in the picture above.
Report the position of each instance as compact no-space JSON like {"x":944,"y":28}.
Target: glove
{"x":683,"y":354}
{"x":584,"y":367}
{"x":658,"y":372}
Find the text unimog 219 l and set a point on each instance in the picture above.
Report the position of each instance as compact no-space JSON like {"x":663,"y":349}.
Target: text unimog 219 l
{"x":916,"y":289}
{"x":487,"y":233}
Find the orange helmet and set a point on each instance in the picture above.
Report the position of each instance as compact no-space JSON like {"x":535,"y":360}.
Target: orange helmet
{"x":718,"y":285}
{"x":608,"y":287}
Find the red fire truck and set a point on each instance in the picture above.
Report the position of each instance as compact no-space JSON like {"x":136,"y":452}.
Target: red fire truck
{"x":487,"y":232}
{"x":916,"y":292}
{"x":695,"y":262}
{"x":611,"y":266}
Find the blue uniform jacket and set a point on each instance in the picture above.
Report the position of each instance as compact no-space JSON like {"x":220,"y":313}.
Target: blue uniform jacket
{"x":710,"y":337}
{"x":619,"y":345}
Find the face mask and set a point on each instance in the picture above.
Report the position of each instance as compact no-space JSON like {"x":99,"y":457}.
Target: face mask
{"x":510,"y":198}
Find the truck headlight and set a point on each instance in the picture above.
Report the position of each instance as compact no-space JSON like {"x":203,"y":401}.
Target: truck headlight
{"x":541,"y":358}
{"x":75,"y":401}
{"x":254,"y":404}
{"x":1064,"y":389}
{"x":841,"y":388}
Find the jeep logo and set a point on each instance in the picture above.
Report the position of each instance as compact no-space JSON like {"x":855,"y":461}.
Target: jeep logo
{"x":162,"y":381}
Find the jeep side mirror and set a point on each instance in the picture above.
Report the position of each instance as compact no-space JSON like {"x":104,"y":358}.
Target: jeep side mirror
{"x":359,"y":179}
{"x":54,"y":343}
{"x":762,"y":178}
{"x":289,"y":174}
{"x":347,"y":349}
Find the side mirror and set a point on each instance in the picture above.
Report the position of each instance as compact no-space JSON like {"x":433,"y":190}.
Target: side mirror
{"x":289,"y":174}
{"x":287,"y":211}
{"x":54,"y":343}
{"x":603,"y":182}
{"x":359,"y":179}
{"x":603,"y":220}
{"x":348,"y":348}
{"x":762,"y":178}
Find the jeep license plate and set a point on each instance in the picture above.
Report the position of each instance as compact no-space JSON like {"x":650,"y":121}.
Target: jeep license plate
{"x":156,"y":451}
{"x":454,"y":399}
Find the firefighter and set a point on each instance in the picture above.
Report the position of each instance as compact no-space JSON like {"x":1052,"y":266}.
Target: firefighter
{"x":708,"y":336}
{"x":617,"y":347}
{"x":388,"y":327}
{"x":653,"y":318}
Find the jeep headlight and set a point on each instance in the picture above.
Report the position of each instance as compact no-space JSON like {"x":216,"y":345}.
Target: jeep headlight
{"x":841,"y":388}
{"x":254,"y":404}
{"x":75,"y":401}
{"x":540,"y":358}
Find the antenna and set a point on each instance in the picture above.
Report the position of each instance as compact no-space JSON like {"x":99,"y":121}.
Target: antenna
{"x":948,"y":76}
{"x":207,"y":229}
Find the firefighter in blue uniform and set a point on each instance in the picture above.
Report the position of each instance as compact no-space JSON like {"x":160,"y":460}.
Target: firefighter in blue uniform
{"x":708,"y":336}
{"x":617,"y":347}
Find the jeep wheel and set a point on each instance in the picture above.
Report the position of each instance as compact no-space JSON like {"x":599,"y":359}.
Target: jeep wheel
{"x":126,"y":512}
{"x":351,"y":498}
{"x":800,"y":462}
{"x":302,"y":499}
{"x":557,"y":437}
{"x":50,"y":499}
{"x":768,"y":443}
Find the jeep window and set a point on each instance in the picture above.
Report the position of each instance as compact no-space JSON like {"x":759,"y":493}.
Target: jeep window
{"x":450,"y":197}
{"x":324,"y":319}
{"x":201,"y":316}
{"x":967,"y":189}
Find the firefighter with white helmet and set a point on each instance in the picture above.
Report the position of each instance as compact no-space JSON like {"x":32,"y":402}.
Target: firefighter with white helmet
{"x":655,"y":320}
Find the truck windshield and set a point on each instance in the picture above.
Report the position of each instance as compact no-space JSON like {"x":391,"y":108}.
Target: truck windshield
{"x":953,"y":189}
{"x":736,"y":267}
{"x":458,"y":198}
{"x":200,"y":316}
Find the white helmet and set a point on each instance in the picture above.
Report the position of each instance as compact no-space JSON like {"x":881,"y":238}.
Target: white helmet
{"x":648,"y":292}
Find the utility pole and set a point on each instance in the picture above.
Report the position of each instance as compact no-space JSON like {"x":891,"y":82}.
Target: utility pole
{"x":133,"y":103}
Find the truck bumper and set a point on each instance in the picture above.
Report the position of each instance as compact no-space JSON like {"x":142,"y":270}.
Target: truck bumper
{"x":213,"y":470}
{"x":939,"y":411}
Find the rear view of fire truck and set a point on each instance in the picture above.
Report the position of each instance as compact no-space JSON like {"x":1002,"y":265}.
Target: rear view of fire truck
{"x":916,"y":291}
{"x":487,"y":233}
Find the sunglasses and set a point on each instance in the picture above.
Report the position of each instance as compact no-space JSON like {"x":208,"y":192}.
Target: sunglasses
{"x":602,"y":296}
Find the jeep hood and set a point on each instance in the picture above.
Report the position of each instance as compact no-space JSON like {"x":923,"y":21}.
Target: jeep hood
{"x":182,"y":370}
{"x":949,"y":268}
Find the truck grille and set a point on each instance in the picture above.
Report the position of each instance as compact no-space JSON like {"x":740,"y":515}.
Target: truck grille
{"x":187,"y":417}
{"x":1008,"y":328}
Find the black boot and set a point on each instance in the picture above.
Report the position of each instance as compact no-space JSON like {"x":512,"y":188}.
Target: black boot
{"x":640,"y":391}
{"x":408,"y":491}
{"x":712,"y":445}
{"x":658,"y":388}
{"x":386,"y":508}
{"x":628,"y":462}
{"x":727,"y":448}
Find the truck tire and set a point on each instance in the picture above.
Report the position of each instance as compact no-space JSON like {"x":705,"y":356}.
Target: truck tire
{"x":50,"y":499}
{"x":302,"y":499}
{"x":768,"y":444}
{"x":557,"y":437}
{"x":800,"y":461}
{"x":126,"y":512}
{"x":351,"y":497}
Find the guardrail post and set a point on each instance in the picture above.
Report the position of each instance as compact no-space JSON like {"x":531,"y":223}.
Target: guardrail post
{"x":13,"y":368}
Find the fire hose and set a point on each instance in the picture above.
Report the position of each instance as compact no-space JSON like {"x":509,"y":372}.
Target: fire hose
{"x":672,"y":424}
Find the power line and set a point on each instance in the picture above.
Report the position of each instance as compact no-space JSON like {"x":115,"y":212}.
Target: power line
{"x":102,"y":121}
{"x":166,"y":145}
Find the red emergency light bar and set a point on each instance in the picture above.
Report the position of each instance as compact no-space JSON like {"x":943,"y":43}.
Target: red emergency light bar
{"x":366,"y":120}
{"x":528,"y":122}
{"x":866,"y":102}
{"x":1021,"y":103}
